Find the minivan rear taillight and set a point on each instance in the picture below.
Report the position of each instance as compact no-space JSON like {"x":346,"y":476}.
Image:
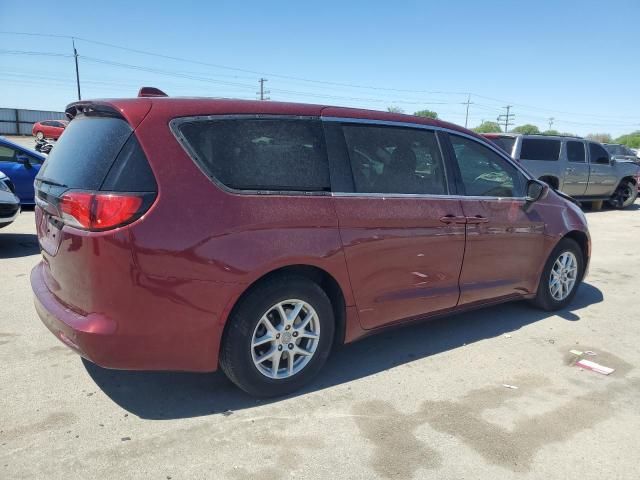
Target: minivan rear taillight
{"x":100,"y":211}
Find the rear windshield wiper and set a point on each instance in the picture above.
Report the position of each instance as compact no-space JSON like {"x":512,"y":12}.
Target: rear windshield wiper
{"x":51,"y":182}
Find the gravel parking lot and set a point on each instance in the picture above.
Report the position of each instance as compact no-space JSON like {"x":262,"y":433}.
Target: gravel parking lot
{"x":426,"y":401}
{"x":25,"y":141}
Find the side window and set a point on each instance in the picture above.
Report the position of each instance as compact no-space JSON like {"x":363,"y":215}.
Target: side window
{"x":261,"y":154}
{"x":598,"y":154}
{"x":484,"y":172}
{"x":540,"y":149}
{"x":576,"y":152}
{"x":7,"y":154}
{"x":395,"y":160}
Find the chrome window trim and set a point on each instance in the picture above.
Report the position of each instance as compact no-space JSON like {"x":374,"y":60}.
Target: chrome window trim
{"x":425,"y":196}
{"x":176,"y":122}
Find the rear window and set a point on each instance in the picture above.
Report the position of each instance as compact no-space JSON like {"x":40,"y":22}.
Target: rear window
{"x":505,"y":143}
{"x":540,"y":149}
{"x":98,"y":153}
{"x":260,"y":154}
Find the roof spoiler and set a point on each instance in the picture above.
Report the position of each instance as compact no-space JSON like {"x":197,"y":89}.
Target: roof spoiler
{"x":91,"y":108}
{"x":151,"y":92}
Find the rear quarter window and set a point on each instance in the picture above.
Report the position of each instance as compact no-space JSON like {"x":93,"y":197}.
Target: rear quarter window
{"x":540,"y":149}
{"x":259,"y":154}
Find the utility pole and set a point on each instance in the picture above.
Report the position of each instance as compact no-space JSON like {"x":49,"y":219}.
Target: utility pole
{"x":467,"y":103}
{"x":75,"y":56}
{"x":262,"y":91}
{"x":506,"y":117}
{"x":551,"y":119}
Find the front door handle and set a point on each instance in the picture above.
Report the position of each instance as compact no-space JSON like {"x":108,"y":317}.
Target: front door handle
{"x":569,"y":170}
{"x":477,"y":219}
{"x":448,"y":219}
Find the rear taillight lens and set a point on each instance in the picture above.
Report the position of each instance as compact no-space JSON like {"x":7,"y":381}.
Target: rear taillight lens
{"x":99,"y":211}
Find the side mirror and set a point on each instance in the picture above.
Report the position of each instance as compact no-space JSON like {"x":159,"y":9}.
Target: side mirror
{"x":24,"y":160}
{"x":535,"y":190}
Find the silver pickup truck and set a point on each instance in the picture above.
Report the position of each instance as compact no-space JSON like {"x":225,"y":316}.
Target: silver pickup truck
{"x":580,"y":168}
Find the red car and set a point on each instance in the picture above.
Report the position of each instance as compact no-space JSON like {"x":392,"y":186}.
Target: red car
{"x":49,"y":129}
{"x":192,"y":234}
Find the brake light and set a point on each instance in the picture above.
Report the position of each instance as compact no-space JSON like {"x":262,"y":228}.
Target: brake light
{"x":99,"y":211}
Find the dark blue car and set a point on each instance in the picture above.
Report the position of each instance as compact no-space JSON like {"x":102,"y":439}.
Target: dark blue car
{"x":21,"y":165}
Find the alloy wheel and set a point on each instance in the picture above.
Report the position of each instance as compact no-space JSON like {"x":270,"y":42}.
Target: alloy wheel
{"x":564,"y":275}
{"x":285,"y":339}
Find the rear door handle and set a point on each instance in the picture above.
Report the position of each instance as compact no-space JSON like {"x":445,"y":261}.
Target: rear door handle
{"x":569,"y":170}
{"x":448,"y":219}
{"x":477,"y":219}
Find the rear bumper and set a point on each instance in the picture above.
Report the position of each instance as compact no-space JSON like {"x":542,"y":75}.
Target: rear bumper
{"x":98,"y":338}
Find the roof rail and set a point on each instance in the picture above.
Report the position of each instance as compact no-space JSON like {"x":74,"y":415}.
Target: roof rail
{"x":151,"y":92}
{"x":541,"y":134}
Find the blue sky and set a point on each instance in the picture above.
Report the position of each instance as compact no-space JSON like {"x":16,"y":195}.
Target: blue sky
{"x":576,"y":61}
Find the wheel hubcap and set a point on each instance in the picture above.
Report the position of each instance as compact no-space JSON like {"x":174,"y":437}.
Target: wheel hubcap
{"x":564,"y":274}
{"x":285,"y":339}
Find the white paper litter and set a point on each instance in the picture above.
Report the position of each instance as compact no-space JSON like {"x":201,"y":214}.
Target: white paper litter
{"x":513,"y":387}
{"x":596,"y":367}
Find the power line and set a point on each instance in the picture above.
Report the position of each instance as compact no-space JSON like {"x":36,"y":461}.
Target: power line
{"x":302,"y":79}
{"x":244,"y":85}
{"x":30,"y":52}
{"x":297,"y":79}
{"x":266,"y":74}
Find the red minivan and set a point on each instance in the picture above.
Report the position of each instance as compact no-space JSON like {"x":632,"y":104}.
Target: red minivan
{"x":192,"y":234}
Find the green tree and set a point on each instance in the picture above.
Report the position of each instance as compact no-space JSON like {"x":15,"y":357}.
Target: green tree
{"x":487,"y":127}
{"x":630,"y":139}
{"x":600,"y":137}
{"x":527,"y":129}
{"x":551,"y":132}
{"x":395,"y":109}
{"x":426,"y":113}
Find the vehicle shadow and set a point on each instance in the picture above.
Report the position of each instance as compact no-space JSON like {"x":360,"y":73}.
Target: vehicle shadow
{"x":630,"y":208}
{"x":171,"y":395}
{"x":14,"y":245}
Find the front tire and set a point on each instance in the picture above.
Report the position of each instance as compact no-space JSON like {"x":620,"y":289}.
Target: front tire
{"x":279,"y":336}
{"x":624,"y":196}
{"x":39,"y":135}
{"x":561,"y":276}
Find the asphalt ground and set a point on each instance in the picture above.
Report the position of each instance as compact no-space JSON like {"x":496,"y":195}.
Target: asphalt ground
{"x":425,"y":401}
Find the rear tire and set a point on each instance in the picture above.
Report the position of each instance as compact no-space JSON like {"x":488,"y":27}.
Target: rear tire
{"x":251,"y":333}
{"x":624,"y":196}
{"x":556,"y":290}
